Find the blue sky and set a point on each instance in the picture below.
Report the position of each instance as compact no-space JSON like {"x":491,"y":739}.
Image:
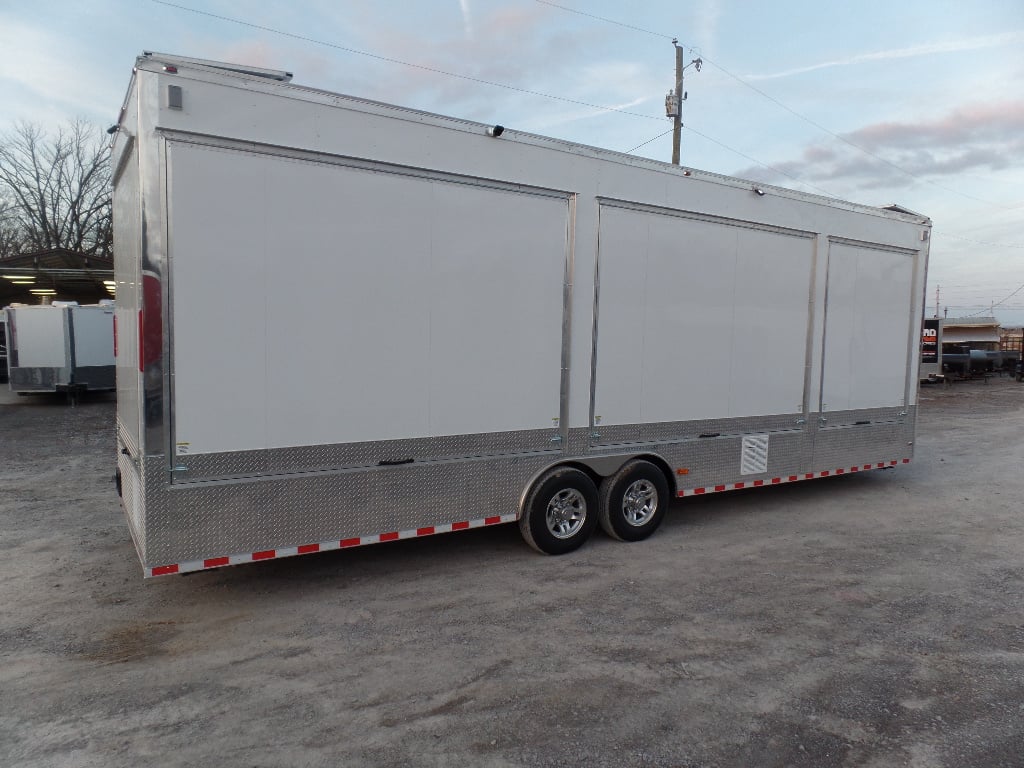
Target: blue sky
{"x":918,"y":103}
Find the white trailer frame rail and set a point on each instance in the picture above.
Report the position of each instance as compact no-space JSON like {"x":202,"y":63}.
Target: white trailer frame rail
{"x":434,"y":326}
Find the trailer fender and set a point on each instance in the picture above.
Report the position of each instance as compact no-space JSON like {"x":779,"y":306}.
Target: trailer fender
{"x":598,"y":467}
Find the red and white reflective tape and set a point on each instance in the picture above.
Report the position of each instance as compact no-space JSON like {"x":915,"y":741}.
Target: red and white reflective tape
{"x":788,"y":478}
{"x":323,"y":546}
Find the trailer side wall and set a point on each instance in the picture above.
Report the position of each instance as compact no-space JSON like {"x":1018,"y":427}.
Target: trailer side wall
{"x":361,"y":322}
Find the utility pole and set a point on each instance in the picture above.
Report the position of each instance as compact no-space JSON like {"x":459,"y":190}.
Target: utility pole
{"x":677,"y":119}
{"x":675,"y":98}
{"x":937,"y":287}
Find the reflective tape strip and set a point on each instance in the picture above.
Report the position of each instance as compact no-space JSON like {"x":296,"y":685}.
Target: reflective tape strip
{"x":324,"y":546}
{"x":787,"y":479}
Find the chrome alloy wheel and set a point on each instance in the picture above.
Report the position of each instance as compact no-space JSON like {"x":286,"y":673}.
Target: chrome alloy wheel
{"x":566,"y":513}
{"x":639,"y":502}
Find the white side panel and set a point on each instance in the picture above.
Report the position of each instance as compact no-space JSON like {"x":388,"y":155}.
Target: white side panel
{"x":127,"y":209}
{"x":867,"y":328}
{"x":40,"y":336}
{"x":325,"y":304}
{"x":219,"y":278}
{"x":94,"y":335}
{"x":497,"y":272}
{"x":699,"y":319}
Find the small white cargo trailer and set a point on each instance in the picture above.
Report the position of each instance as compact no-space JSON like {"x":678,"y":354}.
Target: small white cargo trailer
{"x":455,"y":325}
{"x":60,"y":347}
{"x":3,"y":344}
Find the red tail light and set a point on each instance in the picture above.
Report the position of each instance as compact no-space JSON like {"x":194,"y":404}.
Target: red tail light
{"x":151,"y":331}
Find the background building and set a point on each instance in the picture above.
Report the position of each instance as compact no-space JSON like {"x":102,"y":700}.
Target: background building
{"x":57,"y":274}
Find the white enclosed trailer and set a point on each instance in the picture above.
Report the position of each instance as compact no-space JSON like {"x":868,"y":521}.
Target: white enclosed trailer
{"x":3,"y":343}
{"x":60,"y":347}
{"x":456,"y":326}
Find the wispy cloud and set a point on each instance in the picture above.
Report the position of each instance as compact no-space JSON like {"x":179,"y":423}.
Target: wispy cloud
{"x":972,"y":123}
{"x":950,"y":46}
{"x":974,"y":137}
{"x":43,"y":79}
{"x":467,"y":19}
{"x":551,"y":120}
{"x":708,"y":14}
{"x":513,"y":45}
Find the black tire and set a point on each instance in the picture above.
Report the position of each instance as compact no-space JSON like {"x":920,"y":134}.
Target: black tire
{"x":560,"y":511}
{"x":632,"y":502}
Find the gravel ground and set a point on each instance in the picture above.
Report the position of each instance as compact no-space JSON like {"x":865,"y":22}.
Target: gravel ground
{"x":874,"y":619}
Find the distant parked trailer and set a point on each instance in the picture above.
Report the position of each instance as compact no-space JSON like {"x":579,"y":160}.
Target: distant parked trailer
{"x":3,"y":345}
{"x":60,"y":348}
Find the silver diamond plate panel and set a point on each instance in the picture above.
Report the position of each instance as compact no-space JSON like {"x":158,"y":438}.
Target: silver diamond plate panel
{"x":851,"y":443}
{"x":127,"y":439}
{"x":198,"y":520}
{"x":872,"y":415}
{"x":211,"y":518}
{"x":687,"y":430}
{"x":320,"y":458}
{"x":132,"y":501}
{"x":716,"y":461}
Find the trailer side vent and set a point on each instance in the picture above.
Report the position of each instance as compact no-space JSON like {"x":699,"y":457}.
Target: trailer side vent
{"x":174,"y":96}
{"x":754,"y":455}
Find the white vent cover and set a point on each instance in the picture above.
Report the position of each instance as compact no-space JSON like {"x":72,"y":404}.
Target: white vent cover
{"x":754,"y":459}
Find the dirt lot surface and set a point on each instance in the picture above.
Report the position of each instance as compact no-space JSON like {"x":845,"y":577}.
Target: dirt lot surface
{"x":874,"y":619}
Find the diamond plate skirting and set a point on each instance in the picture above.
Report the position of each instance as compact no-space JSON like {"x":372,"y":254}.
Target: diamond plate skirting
{"x":198,"y":520}
{"x":320,"y":458}
{"x":251,"y":507}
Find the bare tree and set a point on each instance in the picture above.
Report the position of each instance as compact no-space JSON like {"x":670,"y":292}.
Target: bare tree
{"x":10,"y":231}
{"x":57,"y":188}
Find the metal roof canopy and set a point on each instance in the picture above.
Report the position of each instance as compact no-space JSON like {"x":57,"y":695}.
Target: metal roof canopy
{"x":72,"y":275}
{"x":959,"y":330}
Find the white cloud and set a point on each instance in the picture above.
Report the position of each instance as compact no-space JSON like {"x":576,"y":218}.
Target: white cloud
{"x":550,"y":120}
{"x":38,"y":83}
{"x":467,"y":20}
{"x":707,"y":16}
{"x":950,"y":46}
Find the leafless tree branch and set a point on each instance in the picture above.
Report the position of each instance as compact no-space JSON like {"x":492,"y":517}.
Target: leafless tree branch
{"x":55,"y":190}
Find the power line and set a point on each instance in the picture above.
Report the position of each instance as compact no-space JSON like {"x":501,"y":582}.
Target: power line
{"x":578,"y":102}
{"x":666,"y":133}
{"x":755,"y":160}
{"x":793,"y":112}
{"x":981,"y":242}
{"x":470,"y":78}
{"x":996,"y":304}
{"x":846,"y":141}
{"x":390,"y":60}
{"x":737,"y":152}
{"x":602,"y":18}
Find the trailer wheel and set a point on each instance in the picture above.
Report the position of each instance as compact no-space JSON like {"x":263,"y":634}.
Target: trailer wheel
{"x":632,"y":502}
{"x":560,"y":511}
